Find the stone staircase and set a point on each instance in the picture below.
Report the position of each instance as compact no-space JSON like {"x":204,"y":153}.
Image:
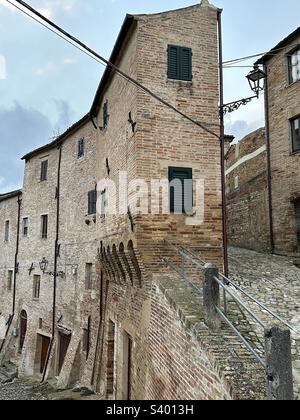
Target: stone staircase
{"x":8,"y":372}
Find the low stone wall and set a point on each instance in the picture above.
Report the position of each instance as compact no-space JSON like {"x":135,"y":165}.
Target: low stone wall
{"x":187,"y":361}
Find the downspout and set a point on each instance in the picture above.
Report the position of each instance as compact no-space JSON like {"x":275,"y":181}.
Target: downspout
{"x":55,"y":262}
{"x":16,"y":271}
{"x":222,"y":144}
{"x":269,"y":176}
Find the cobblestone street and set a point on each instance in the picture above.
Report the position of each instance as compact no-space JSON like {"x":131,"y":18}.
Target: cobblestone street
{"x":18,"y":391}
{"x":275,"y":282}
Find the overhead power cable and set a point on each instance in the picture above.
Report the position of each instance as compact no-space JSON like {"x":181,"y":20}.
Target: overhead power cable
{"x":34,"y":14}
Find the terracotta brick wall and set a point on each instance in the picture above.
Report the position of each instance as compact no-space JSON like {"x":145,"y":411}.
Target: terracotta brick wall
{"x":247,"y":194}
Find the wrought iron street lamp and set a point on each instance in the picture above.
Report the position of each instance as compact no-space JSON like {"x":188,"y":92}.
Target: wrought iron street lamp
{"x":256,"y":79}
{"x":44,"y":265}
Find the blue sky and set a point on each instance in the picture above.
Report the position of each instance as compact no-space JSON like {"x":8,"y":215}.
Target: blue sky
{"x":47,"y":84}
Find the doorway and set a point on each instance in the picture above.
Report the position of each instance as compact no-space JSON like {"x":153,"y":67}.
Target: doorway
{"x":23,"y":329}
{"x":110,"y":376}
{"x":45,"y":343}
{"x":127,"y":367}
{"x":64,"y":342}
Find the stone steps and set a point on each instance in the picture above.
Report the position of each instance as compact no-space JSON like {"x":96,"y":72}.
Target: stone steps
{"x":8,"y":372}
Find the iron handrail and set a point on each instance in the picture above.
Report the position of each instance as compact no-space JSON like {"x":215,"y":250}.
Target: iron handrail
{"x":261,"y":305}
{"x":183,"y":276}
{"x":236,"y":331}
{"x":240,"y":303}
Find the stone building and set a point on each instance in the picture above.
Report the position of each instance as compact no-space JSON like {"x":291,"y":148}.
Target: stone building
{"x":282,"y":66}
{"x":247,"y":193}
{"x":93,"y":302}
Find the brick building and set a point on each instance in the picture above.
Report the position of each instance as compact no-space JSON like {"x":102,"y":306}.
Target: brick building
{"x":247,"y":193}
{"x":89,"y":304}
{"x":282,"y":66}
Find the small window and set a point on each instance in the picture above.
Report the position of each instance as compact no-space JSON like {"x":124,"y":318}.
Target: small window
{"x":10,"y":280}
{"x":89,"y":276}
{"x":179,"y":63}
{"x":105,"y":114}
{"x":36,"y":286}
{"x":6,"y":233}
{"x":44,"y":226}
{"x":294,"y":66}
{"x":103,"y":204}
{"x":295,"y":123}
{"x":181,"y":190}
{"x":44,"y":170}
{"x":92,"y":202}
{"x":25,"y":226}
{"x":80,"y":148}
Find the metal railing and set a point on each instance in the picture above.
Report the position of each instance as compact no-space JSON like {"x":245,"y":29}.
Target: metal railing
{"x":277,"y":338}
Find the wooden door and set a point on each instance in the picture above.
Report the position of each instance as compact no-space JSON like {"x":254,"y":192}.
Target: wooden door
{"x":64,"y":342}
{"x":44,"y":352}
{"x":23,"y":329}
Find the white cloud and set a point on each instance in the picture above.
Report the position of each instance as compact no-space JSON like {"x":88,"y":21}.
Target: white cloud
{"x":43,"y":71}
{"x":2,"y":68}
{"x":4,"y":3}
{"x":46,"y":11}
{"x":68,"y":61}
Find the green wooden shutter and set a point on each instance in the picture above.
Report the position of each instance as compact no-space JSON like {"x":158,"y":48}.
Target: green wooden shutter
{"x":181,"y":201}
{"x":173,"y":62}
{"x":185,"y":64}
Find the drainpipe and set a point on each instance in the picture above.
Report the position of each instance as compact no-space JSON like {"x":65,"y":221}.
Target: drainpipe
{"x":269,"y":176}
{"x":222,"y":144}
{"x":16,"y":270}
{"x":55,"y":262}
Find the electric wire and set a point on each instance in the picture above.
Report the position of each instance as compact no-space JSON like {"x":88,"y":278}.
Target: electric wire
{"x":84,"y":48}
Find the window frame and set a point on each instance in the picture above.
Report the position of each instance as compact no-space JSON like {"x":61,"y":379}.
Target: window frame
{"x":43,"y":218}
{"x":25,"y":235}
{"x":10,"y":275}
{"x":105,"y":115}
{"x":179,"y":73}
{"x":89,"y":277}
{"x":36,"y":292}
{"x":81,"y":148}
{"x":190,"y":171}
{"x":6,"y":230}
{"x":44,"y":170}
{"x":292,"y":121}
{"x":92,"y":202}
{"x":290,"y":65}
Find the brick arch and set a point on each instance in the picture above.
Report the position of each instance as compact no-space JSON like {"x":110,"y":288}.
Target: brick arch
{"x":108,"y":266}
{"x":115,"y":268}
{"x":118,"y":263}
{"x":125,"y":262}
{"x":134,"y":262}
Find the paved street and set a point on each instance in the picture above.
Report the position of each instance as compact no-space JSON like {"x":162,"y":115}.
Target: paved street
{"x":274,"y":281}
{"x":18,"y":391}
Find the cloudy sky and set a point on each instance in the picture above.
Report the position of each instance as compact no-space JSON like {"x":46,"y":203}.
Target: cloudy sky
{"x":46,"y":84}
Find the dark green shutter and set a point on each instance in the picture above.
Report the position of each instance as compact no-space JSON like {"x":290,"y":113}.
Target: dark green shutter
{"x":186,"y":64}
{"x":179,"y":63}
{"x":181,"y":201}
{"x":173,"y":62}
{"x":92,"y":202}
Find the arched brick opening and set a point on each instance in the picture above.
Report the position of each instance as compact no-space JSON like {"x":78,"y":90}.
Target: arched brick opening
{"x":134,"y":262}
{"x":107,"y":265}
{"x":23,"y":329}
{"x":118,"y":262}
{"x":114,"y":266}
{"x":125,"y":262}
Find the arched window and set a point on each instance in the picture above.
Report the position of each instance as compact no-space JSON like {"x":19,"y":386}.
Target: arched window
{"x":23,"y":329}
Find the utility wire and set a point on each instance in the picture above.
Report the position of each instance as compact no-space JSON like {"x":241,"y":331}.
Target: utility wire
{"x":269,"y":53}
{"x":84,"y":48}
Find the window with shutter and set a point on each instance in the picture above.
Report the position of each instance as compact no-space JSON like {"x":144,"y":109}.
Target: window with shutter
{"x":179,"y":63}
{"x":181,"y":190}
{"x":92,"y":202}
{"x":44,"y":226}
{"x":44,"y":170}
{"x":105,"y":114}
{"x":80,"y":148}
{"x":295,"y":124}
{"x":6,"y":233}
